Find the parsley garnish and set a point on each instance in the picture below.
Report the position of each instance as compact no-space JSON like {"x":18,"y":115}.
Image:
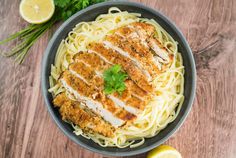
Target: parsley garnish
{"x":114,"y":80}
{"x":66,"y":8}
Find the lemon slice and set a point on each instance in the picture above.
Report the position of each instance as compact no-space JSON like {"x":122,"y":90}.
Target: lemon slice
{"x":164,"y":151}
{"x":37,"y":11}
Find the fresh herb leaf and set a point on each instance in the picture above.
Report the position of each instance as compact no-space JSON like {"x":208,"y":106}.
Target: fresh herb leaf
{"x":61,"y":3}
{"x":72,"y":6}
{"x":85,"y":3}
{"x":114,"y":79}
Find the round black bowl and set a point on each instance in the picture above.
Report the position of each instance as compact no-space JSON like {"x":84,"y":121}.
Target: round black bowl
{"x":89,"y":14}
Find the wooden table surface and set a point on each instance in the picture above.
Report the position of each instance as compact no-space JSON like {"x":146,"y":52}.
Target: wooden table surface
{"x":27,"y":130}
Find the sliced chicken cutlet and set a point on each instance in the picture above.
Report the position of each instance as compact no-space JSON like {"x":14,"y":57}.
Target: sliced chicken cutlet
{"x":128,"y":65}
{"x":133,"y":97}
{"x":86,"y":120}
{"x":93,"y":60}
{"x":143,"y":29}
{"x":87,"y":74}
{"x":141,"y":56}
{"x":95,"y":100}
{"x":127,"y":48}
{"x":142,"y":38}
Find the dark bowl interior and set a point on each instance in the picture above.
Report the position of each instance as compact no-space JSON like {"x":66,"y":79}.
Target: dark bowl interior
{"x":89,"y":14}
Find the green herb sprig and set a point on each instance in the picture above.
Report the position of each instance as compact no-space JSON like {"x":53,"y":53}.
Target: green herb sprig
{"x":27,"y":37}
{"x":114,"y":79}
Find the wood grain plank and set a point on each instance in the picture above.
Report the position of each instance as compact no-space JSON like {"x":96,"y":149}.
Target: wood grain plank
{"x":27,"y":130}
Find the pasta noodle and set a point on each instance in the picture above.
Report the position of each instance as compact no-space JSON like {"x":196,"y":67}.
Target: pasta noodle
{"x":164,"y":107}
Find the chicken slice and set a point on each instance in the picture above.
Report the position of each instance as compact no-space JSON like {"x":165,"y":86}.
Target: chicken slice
{"x":85,"y":119}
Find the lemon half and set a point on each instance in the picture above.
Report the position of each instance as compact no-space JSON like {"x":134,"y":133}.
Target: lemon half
{"x":164,"y":151}
{"x":37,"y":11}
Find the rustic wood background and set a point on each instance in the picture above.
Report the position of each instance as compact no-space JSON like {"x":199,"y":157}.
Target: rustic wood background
{"x":27,"y":130}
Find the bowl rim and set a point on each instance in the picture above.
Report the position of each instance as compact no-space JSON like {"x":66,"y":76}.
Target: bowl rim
{"x":45,"y":90}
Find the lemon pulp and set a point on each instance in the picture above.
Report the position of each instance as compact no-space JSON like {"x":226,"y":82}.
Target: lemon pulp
{"x":164,"y":151}
{"x":36,"y":11}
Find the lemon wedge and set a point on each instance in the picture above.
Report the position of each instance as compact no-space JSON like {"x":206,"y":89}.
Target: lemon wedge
{"x":37,"y":11}
{"x":164,"y":151}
